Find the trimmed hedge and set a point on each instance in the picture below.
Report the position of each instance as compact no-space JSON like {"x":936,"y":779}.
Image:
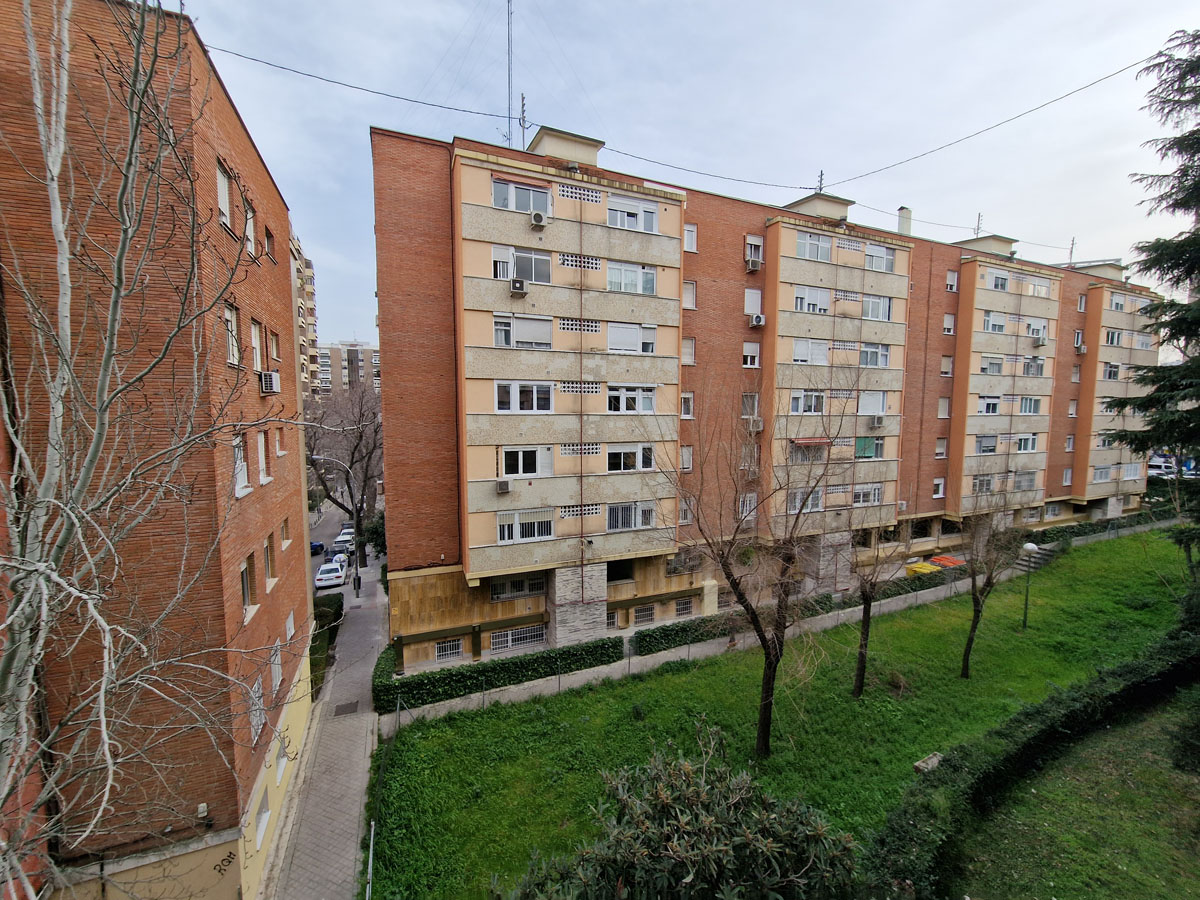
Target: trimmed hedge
{"x":687,"y":631}
{"x":387,"y":691}
{"x":328,"y":611}
{"x":1056,"y":533}
{"x":909,"y":856}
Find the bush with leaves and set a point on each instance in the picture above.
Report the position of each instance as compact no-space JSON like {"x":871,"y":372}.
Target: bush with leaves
{"x":1185,"y":737}
{"x":692,"y":828}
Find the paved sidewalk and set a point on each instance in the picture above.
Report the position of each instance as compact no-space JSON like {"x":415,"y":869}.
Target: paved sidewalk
{"x":322,"y":859}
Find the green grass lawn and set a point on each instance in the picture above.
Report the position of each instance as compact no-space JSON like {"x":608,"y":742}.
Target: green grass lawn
{"x":1109,"y":820}
{"x":475,"y":793}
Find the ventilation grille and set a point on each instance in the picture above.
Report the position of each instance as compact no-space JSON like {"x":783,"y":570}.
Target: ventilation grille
{"x":576,"y":192}
{"x":587,"y":326}
{"x":580,"y":449}
{"x":574,"y":512}
{"x":849,"y":296}
{"x":845,"y":345}
{"x":845,"y":244}
{"x":579,"y":387}
{"x":575,"y":261}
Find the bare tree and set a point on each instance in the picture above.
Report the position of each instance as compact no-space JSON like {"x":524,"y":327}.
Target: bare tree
{"x":348,"y":427}
{"x":990,"y":545}
{"x":114,"y":396}
{"x":886,"y":548}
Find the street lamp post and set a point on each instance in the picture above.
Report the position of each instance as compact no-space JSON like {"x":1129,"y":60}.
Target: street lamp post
{"x":1028,"y":549}
{"x":357,"y":516}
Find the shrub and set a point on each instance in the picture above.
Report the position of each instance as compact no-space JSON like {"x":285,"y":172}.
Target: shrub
{"x":388,"y":691}
{"x":328,"y":611}
{"x":686,"y":631}
{"x":907,"y":856}
{"x":1185,"y":737}
{"x":681,"y":828}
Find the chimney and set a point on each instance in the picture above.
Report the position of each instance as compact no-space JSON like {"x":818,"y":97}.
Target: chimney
{"x":904,"y":215}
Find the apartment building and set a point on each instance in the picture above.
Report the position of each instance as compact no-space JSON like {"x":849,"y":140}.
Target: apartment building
{"x":584,"y":366}
{"x":216,"y":579}
{"x":304,"y":296}
{"x":344,"y":365}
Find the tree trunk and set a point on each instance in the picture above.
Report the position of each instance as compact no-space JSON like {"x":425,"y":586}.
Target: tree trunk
{"x":976,"y":615}
{"x":864,"y":640}
{"x":766,"y":701}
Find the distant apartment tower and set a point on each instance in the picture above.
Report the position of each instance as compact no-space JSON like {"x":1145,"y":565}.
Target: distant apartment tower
{"x":557,"y":350}
{"x":304,"y":297}
{"x":344,"y":365}
{"x":198,"y":814}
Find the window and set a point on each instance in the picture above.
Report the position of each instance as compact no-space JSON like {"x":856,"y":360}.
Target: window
{"x":1112,"y":372}
{"x":270,"y":571}
{"x":951,"y":282}
{"x":643,"y":615}
{"x":874,"y":355}
{"x":997,"y":280}
{"x":630,"y":399}
{"x":806,"y":453}
{"x":524,"y":332}
{"x":993,"y":321}
{"x":279,"y":447}
{"x":948,"y":323}
{"x":947,"y":365}
{"x":529,"y":462}
{"x":754,"y":247}
{"x":1035,"y":327}
{"x":248,"y":585}
{"x":285,"y":532}
{"x":1035,"y":366}
{"x":1082,"y":305}
{"x":749,"y":457}
{"x":516,"y":638}
{"x":241,"y":474}
{"x":1072,"y":408}
{"x":748,"y":505}
{"x":630,"y":457}
{"x":991,"y":365}
{"x":872,"y":403}
{"x":808,"y":403}
{"x":1131,"y":471}
{"x":877,"y":308}
{"x":262,"y":816}
{"x":273,"y":344}
{"x":814,"y":246}
{"x":532,"y":265}
{"x":683,"y":607}
{"x":688,"y":356}
{"x":619,"y":570}
{"x":1067,"y":475}
{"x":1118,"y":301}
{"x":881,"y":259}
{"x":981,"y":484}
{"x":806,"y":351}
{"x":943,"y":407}
{"x":689,"y":238}
{"x":1112,"y":337}
{"x":749,"y":405}
{"x":523,"y":525}
{"x":502,"y":262}
{"x":447,"y":649}
{"x":631,"y":278}
{"x":1142,"y":341}
{"x":264,"y":459}
{"x":989,"y":405}
{"x":1070,"y":443}
{"x":685,"y":511}
{"x":1105,"y":441}
{"x":1026,"y":443}
{"x":628,"y":516}
{"x":269,"y":243}
{"x":256,"y":345}
{"x":1078,"y":338}
{"x":686,"y":405}
{"x":257,"y":712}
{"x":939,"y":488}
{"x":1101,"y":474}
{"x":807,"y":499}
{"x":515,"y":586}
{"x":233,"y":350}
{"x":750,"y":352}
{"x":689,"y":295}
{"x":867,"y":494}
{"x":223,"y":183}
{"x":1053,"y":510}
{"x":1075,"y":374}
{"x":249,"y":229}
{"x":753,"y":301}
{"x":276,"y":664}
{"x":624,"y":337}
{"x":940,"y":447}
{"x":985,"y":443}
{"x":812,"y":299}
{"x":1031,"y":406}
{"x":520,"y":197}
{"x":685,"y":457}
{"x":868,"y":448}
{"x":524,"y":396}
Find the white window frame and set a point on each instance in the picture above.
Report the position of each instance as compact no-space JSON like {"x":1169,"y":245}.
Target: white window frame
{"x":983,"y":483}
{"x":939,"y":488}
{"x":814,"y":246}
{"x":1113,"y":337}
{"x":991,"y":319}
{"x":514,"y":388}
{"x":1030,"y":406}
{"x":1101,"y":474}
{"x":640,"y":393}
{"x":812,"y":299}
{"x":810,"y":352}
{"x":523,"y":334}
{"x":1036,"y":326}
{"x":1110,"y":372}
{"x":1070,"y":445}
{"x":1072,"y":409}
{"x":952,"y":281}
{"x":689,"y":295}
{"x":1081,"y":306}
{"x":634,"y":339}
{"x":753,"y":404}
{"x":224,"y":182}
{"x":633,"y":515}
{"x":687,"y":351}
{"x":747,"y":505}
{"x":275,"y":661}
{"x":233,"y":348}
{"x":509,"y":522}
{"x":989,"y":405}
{"x":941,"y":447}
{"x":1034,"y":367}
{"x":689,"y":238}
{"x":943,"y":407}
{"x":986,"y":444}
{"x":805,"y":499}
{"x":264,"y":465}
{"x":1068,"y":474}
{"x":241,"y":469}
{"x":513,"y":194}
{"x":808,"y":403}
{"x":1078,"y":338}
{"x":632,"y":214}
{"x":752,"y":302}
{"x":877,"y":307}
{"x":865,"y":396}
{"x":947,"y":367}
{"x":643,"y":278}
{"x":754,"y":247}
{"x":751,"y":355}
{"x":685,"y":511}
{"x":449,"y":648}
{"x":1116,"y":301}
{"x":685,"y":457}
{"x":997,"y":280}
{"x":687,"y":405}
{"x":642,"y":454}
{"x":249,"y":233}
{"x":542,"y":459}
{"x":255,"y":710}
{"x":880,"y":258}
{"x":867,"y":494}
{"x":1027,"y":443}
{"x":262,"y":818}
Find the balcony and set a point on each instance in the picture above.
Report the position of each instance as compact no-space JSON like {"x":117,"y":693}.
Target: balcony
{"x":824,"y":326}
{"x":494,"y":429}
{"x":795,"y":376}
{"x":834,"y":519}
{"x":547,"y":365}
{"x":564,"y":490}
{"x":1016,"y":304}
{"x":1020,"y":344}
{"x":843,"y":278}
{"x":1022,"y":385}
{"x":487,"y":560}
{"x":492,"y":295}
{"x":972,"y":504}
{"x":1007,"y":424}
{"x":995,"y":463}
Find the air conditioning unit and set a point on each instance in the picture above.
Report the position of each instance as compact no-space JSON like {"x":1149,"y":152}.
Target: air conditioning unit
{"x":876,"y":421}
{"x":1082,"y":348}
{"x":758,"y":320}
{"x":516,"y":287}
{"x":753,"y":265}
{"x":538,"y":219}
{"x":901,"y":505}
{"x":752,"y":472}
{"x":1039,"y":340}
{"x":503,"y":486}
{"x":755,"y":424}
{"x":269,"y":381}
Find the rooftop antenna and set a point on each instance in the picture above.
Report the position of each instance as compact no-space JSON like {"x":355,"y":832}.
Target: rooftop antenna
{"x":524,"y":121}
{"x":821,"y":181}
{"x":1071,"y":253}
{"x":978,"y":224}
{"x":510,"y":115}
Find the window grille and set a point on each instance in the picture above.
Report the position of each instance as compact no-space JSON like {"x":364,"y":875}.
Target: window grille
{"x":837,"y":489}
{"x":845,"y":345}
{"x":574,"y":512}
{"x":846,"y":244}
{"x":849,"y":296}
{"x":514,"y":638}
{"x":843,"y":442}
{"x":578,"y":192}
{"x":587,"y":326}
{"x":575,"y":261}
{"x":579,"y":387}
{"x":580,"y":450}
{"x":842,"y":394}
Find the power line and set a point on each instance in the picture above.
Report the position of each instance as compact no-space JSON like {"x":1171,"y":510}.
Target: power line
{"x":998,"y":124}
{"x":948,"y":225}
{"x":659,"y":162}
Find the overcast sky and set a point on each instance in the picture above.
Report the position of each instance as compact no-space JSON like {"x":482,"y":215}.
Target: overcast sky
{"x":773,"y":91}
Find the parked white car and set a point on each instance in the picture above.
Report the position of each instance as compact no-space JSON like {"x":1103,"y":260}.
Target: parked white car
{"x":331,"y":574}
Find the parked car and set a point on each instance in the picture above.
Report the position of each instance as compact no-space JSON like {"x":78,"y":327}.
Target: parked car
{"x":315,"y":547}
{"x":1161,"y":468}
{"x":330,"y":575}
{"x":342,"y":544}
